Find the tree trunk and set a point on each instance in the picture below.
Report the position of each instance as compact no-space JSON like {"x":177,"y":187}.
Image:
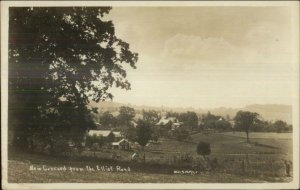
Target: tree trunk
{"x":52,"y":150}
{"x":144,"y":155}
{"x":247,"y":132}
{"x":30,"y":145}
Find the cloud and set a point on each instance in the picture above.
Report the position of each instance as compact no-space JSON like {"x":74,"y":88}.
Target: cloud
{"x":263,"y":43}
{"x":196,"y":48}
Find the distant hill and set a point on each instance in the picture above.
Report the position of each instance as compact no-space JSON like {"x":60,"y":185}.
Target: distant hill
{"x":272,"y":111}
{"x":269,"y":112}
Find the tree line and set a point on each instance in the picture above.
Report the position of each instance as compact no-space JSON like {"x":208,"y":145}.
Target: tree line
{"x":189,"y":122}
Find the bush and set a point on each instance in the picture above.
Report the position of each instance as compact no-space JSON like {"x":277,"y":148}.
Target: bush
{"x":181,"y":135}
{"x":60,"y":146}
{"x":91,"y":140}
{"x":203,"y":148}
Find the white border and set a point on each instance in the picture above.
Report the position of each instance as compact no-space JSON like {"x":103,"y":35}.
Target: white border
{"x":4,"y":99}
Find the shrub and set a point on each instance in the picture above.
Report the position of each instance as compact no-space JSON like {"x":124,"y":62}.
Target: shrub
{"x":181,"y":135}
{"x":203,"y":148}
{"x":60,"y":145}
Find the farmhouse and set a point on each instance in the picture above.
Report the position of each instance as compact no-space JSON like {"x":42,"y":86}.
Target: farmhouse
{"x":166,"y":120}
{"x":133,"y":123}
{"x":117,"y":134}
{"x":177,"y":125}
{"x":121,"y":145}
{"x":105,"y":133}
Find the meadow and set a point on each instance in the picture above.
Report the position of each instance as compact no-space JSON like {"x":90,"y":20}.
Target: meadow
{"x":233,"y":160}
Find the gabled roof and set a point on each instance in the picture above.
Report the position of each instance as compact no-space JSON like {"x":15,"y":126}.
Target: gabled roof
{"x":165,"y":120}
{"x":178,"y":123}
{"x":103,"y":133}
{"x":118,"y":143}
{"x":117,"y":134}
{"x":134,"y":123}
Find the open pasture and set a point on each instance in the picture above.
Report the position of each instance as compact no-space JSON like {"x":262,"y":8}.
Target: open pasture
{"x":233,"y":160}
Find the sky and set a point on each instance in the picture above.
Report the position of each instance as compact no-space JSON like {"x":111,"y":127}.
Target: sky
{"x":207,"y":56}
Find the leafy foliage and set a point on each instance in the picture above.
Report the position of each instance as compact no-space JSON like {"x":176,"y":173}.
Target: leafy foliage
{"x":108,"y":120}
{"x":280,"y":126}
{"x":245,"y":120}
{"x":130,"y":133}
{"x":95,"y":142}
{"x":212,"y":121}
{"x":161,"y":131}
{"x":223,"y":125}
{"x":151,"y":116}
{"x":59,"y":60}
{"x":181,"y":135}
{"x":203,"y":148}
{"x":143,"y":132}
{"x":189,"y":119}
{"x":126,"y":115}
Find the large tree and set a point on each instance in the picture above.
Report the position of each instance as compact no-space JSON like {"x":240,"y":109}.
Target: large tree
{"x":280,"y":126}
{"x":126,"y":115}
{"x":59,"y":60}
{"x":143,"y":134}
{"x":151,"y":116}
{"x":107,"y":119}
{"x":190,"y":119}
{"x":245,"y":120}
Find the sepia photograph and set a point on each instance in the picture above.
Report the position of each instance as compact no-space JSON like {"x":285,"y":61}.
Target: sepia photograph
{"x":150,"y":95}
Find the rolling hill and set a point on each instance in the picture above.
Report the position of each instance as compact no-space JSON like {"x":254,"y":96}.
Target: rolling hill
{"x":269,"y":112}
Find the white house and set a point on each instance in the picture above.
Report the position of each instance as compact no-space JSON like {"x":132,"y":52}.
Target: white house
{"x":166,"y":120}
{"x":121,"y":145}
{"x":117,"y":134}
{"x":105,"y":133}
{"x":176,"y":125}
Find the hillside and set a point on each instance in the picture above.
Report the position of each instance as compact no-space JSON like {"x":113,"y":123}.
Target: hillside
{"x":269,"y":112}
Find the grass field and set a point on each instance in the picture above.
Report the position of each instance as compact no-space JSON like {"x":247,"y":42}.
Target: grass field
{"x":260,"y":135}
{"x":264,"y":163}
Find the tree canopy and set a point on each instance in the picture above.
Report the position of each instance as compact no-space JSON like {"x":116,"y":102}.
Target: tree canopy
{"x":108,"y":120}
{"x":190,"y":119}
{"x":126,"y":115}
{"x":245,"y":120}
{"x":280,"y":126}
{"x":203,"y":148}
{"x":151,"y":116}
{"x":59,"y":60}
{"x":143,"y":133}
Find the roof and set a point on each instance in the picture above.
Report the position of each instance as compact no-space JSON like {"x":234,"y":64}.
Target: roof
{"x":117,"y":134}
{"x":103,"y":133}
{"x":177,"y":124}
{"x":98,"y":124}
{"x":165,"y":120}
{"x":118,"y":143}
{"x":134,"y":123}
